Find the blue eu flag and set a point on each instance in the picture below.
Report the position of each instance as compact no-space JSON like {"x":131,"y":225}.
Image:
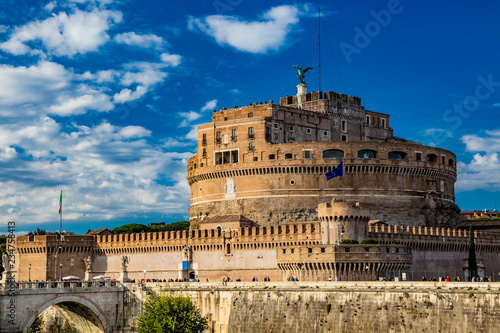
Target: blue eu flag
{"x":337,"y":172}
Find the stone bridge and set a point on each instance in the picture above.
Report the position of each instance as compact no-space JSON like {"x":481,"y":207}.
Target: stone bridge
{"x":91,"y":306}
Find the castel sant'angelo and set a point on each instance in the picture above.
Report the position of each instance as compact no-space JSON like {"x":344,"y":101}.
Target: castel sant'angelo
{"x":261,"y":206}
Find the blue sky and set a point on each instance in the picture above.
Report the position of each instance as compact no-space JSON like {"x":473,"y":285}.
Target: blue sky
{"x":102,"y":98}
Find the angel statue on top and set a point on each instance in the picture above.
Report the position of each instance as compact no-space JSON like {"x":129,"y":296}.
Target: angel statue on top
{"x":301,"y":73}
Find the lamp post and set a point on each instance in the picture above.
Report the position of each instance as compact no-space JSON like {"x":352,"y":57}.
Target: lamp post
{"x":29,"y":272}
{"x":144,"y":277}
{"x":60,"y":265}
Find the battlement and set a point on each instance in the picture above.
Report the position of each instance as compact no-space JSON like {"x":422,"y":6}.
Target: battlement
{"x":430,"y":231}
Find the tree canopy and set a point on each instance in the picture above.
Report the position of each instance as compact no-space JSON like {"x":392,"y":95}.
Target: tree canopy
{"x":134,"y":228}
{"x":171,"y":314}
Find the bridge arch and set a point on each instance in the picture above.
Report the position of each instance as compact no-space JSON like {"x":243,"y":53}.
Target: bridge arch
{"x":83,"y":313}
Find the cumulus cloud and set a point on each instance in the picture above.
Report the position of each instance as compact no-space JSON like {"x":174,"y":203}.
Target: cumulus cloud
{"x":267,"y":33}
{"x":143,"y":41}
{"x":112,"y":169}
{"x":64,"y":34}
{"x":483,"y":171}
{"x":106,"y":170}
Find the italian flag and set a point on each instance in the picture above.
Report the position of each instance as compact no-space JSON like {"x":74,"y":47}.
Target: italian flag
{"x":60,"y":203}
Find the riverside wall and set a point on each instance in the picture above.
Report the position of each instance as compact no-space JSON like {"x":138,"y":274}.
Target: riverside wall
{"x":344,"y":306}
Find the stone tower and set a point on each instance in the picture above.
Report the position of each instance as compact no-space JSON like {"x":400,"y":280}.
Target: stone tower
{"x":343,"y":220}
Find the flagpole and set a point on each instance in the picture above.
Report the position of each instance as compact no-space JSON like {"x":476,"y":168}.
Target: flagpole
{"x":343,"y":176}
{"x":60,"y":220}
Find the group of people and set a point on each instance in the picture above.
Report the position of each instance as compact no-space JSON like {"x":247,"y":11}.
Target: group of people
{"x":458,"y":279}
{"x":293,"y":279}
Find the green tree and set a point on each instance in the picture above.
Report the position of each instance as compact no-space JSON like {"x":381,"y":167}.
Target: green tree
{"x":133,"y":228}
{"x":37,"y":325}
{"x":369,"y":241}
{"x":472,"y":254}
{"x":171,"y":314}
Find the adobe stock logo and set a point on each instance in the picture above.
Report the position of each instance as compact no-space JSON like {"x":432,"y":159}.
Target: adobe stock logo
{"x":372,"y":29}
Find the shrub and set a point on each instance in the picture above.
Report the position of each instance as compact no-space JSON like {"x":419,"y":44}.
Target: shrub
{"x":349,"y":241}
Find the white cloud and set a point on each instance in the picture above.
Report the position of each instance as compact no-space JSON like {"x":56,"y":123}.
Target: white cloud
{"x":80,"y":105}
{"x":65,"y":35}
{"x":127,"y":95}
{"x":260,"y":36}
{"x":210,"y":105}
{"x":483,"y":171}
{"x":144,"y":41}
{"x":489,"y":143}
{"x":172,"y":60}
{"x":188,"y":117}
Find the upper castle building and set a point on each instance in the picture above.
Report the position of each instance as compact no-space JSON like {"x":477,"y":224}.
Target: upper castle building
{"x":268,"y":162}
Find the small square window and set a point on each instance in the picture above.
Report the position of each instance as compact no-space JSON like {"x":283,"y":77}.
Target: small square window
{"x":310,"y":250}
{"x":225,"y":118}
{"x":292,"y":128}
{"x":250,"y":115}
{"x":275,"y":125}
{"x":344,"y":137}
{"x":255,"y":159}
{"x":325,"y":133}
{"x":322,"y":250}
{"x":308,"y":131}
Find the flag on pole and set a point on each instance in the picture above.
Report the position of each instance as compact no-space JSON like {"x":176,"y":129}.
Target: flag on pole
{"x":60,"y":203}
{"x":337,"y":172}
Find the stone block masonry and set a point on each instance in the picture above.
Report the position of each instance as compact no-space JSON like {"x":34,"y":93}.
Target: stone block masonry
{"x":345,"y":306}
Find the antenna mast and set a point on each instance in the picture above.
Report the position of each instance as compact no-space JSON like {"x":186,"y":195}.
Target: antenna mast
{"x":319,"y":48}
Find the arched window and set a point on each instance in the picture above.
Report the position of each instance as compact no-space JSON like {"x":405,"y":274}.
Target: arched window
{"x":333,"y":153}
{"x":366,"y":153}
{"x":397,"y":155}
{"x":450,"y":162}
{"x":432,"y":158}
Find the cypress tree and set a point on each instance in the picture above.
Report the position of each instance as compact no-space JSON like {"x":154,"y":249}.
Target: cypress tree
{"x":472,"y":255}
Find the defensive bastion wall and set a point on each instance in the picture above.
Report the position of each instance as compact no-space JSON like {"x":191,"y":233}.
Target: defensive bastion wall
{"x":244,"y":253}
{"x":344,"y":306}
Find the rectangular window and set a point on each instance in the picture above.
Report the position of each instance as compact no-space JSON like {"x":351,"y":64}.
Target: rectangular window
{"x":443,"y":159}
{"x":307,"y":154}
{"x":322,"y":250}
{"x":250,"y":115}
{"x":325,"y":133}
{"x":292,"y":128}
{"x":344,"y":137}
{"x":250,"y":133}
{"x":204,"y":142}
{"x":383,"y":123}
{"x":309,"y":250}
{"x":308,"y":131}
{"x":251,"y":146}
{"x":233,"y":135}
{"x":218,"y":137}
{"x":344,"y":126}
{"x":418,"y":156}
{"x":368,"y":120}
{"x":268,"y":133}
{"x":275,"y":125}
{"x":204,"y":152}
{"x":275,"y":113}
